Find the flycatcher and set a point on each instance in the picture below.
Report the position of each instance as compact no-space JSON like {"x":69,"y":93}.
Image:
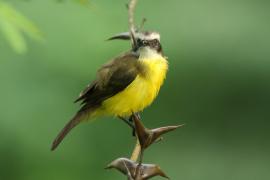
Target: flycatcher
{"x":125,"y":85}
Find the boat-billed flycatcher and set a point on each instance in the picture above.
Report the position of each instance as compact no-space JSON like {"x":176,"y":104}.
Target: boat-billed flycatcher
{"x":125,"y":85}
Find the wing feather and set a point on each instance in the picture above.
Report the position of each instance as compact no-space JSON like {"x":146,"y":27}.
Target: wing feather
{"x":112,"y":78}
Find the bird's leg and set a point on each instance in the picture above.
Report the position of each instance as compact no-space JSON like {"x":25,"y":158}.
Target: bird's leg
{"x":129,"y":122}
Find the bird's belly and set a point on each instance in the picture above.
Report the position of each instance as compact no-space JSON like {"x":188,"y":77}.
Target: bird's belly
{"x":139,"y":94}
{"x":134,"y":98}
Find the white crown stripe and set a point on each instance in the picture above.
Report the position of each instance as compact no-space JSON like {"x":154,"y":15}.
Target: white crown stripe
{"x":148,"y":36}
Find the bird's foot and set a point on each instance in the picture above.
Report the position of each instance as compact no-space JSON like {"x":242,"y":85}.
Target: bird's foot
{"x":130,"y":123}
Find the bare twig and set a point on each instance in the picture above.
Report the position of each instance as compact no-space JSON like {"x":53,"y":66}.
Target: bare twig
{"x":133,"y":168}
{"x":128,"y":168}
{"x":142,"y":24}
{"x":146,"y":137}
{"x":138,"y":173}
{"x":136,"y":151}
{"x":131,"y":9}
{"x":149,"y":136}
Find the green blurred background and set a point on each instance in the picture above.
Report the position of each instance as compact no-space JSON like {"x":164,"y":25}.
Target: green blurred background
{"x":218,"y":85}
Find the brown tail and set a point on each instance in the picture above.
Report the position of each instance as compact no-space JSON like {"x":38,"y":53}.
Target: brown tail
{"x":70,"y":125}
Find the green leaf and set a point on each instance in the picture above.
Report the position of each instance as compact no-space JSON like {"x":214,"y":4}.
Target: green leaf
{"x":13,"y":23}
{"x":13,"y":36}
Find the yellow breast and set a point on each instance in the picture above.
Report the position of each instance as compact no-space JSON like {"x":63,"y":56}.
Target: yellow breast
{"x":141,"y":92}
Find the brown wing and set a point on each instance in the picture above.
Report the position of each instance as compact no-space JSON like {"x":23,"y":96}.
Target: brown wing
{"x":112,"y":78}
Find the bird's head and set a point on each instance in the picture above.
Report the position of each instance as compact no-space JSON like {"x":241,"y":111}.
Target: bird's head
{"x":144,"y":40}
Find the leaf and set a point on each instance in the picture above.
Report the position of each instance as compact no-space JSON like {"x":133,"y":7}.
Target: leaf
{"x":13,"y":36}
{"x":13,"y":24}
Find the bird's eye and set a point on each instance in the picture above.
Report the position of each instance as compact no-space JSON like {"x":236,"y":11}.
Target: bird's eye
{"x":144,"y":42}
{"x":141,"y":42}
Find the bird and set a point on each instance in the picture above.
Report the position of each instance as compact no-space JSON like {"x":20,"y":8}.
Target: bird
{"x":125,"y":85}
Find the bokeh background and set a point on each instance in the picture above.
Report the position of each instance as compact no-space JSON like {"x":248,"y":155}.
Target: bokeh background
{"x":218,"y":85}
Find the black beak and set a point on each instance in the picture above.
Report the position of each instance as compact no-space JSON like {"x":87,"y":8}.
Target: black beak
{"x":121,"y":36}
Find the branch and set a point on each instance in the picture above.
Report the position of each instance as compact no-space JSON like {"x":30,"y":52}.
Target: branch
{"x":136,"y":151}
{"x":133,"y":168}
{"x":131,"y":9}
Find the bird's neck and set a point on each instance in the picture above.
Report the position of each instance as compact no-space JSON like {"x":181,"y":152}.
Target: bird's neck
{"x":154,"y":65}
{"x":150,"y":54}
